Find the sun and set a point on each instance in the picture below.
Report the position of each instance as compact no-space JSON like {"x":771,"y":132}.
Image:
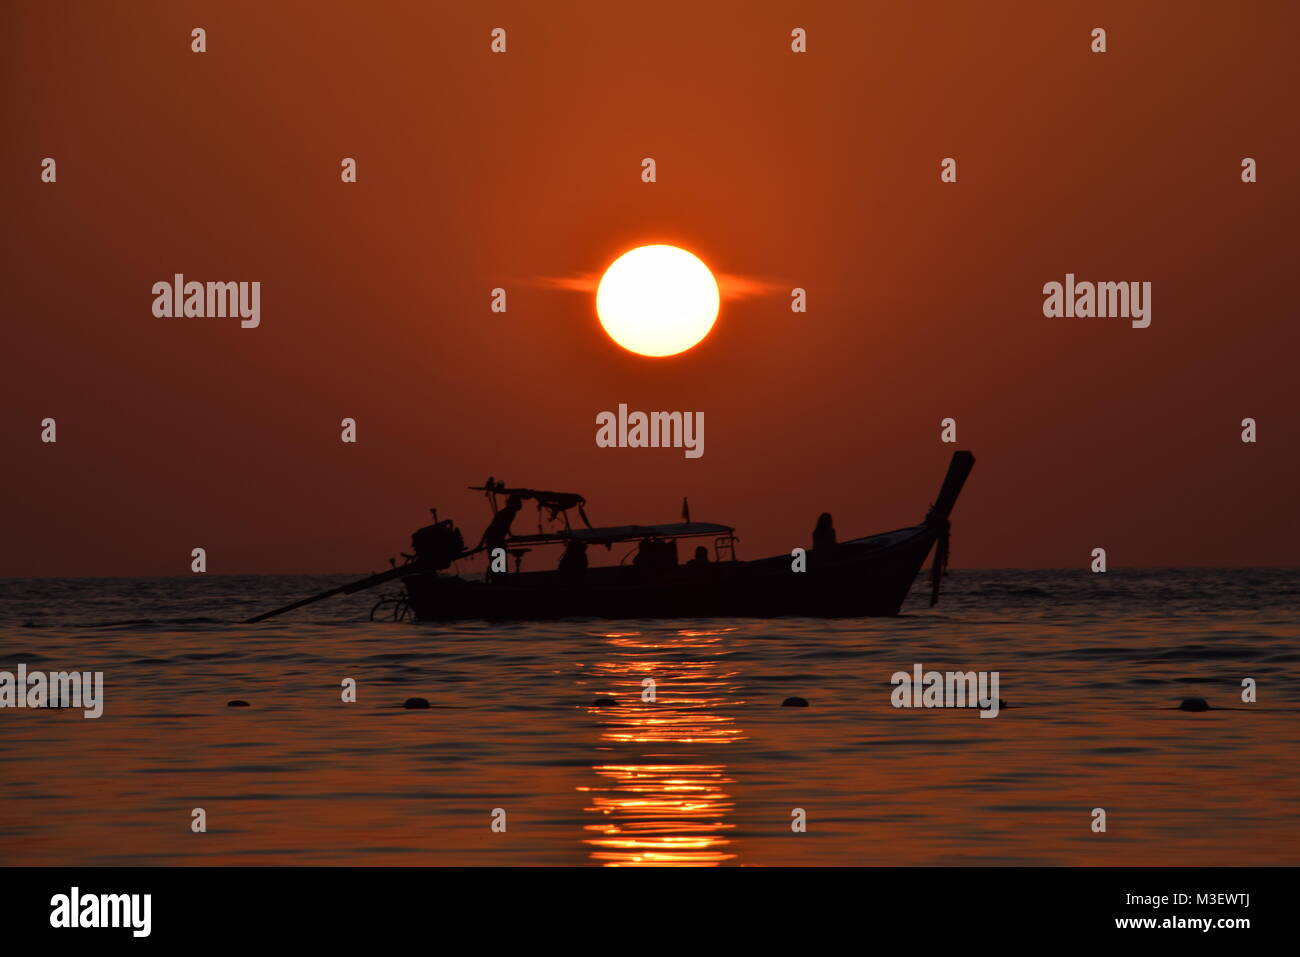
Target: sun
{"x":657,"y":300}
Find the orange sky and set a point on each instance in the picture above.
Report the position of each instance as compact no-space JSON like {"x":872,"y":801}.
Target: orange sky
{"x":479,"y":170}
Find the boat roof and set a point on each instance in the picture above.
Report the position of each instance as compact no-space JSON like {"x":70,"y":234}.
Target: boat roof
{"x":624,"y":533}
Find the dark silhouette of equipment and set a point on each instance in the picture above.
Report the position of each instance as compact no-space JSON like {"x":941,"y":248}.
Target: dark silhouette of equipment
{"x":438,"y":545}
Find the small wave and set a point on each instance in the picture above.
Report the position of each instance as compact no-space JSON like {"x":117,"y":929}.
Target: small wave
{"x":154,"y":623}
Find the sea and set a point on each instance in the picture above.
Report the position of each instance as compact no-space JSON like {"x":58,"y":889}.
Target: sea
{"x":521,"y":759}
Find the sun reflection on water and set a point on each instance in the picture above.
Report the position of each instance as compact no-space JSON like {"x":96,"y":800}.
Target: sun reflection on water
{"x":667,"y":806}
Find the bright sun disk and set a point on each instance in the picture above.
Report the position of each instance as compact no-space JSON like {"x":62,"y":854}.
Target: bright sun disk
{"x":657,"y":300}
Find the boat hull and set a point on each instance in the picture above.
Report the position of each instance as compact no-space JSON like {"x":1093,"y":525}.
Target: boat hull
{"x":866,"y":577}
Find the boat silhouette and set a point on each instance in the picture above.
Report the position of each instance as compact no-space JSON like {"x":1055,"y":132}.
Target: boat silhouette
{"x":867,"y":576}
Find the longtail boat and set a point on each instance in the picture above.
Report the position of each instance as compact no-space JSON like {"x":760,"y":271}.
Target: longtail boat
{"x":858,"y":577}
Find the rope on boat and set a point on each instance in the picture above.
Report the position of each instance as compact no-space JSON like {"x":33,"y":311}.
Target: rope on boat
{"x":401,"y":608}
{"x":940,"y":563}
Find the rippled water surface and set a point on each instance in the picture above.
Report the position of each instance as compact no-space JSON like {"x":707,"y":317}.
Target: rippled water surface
{"x":1091,"y":666}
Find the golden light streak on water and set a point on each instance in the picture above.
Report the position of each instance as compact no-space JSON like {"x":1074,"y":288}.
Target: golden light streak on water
{"x":669,"y":813}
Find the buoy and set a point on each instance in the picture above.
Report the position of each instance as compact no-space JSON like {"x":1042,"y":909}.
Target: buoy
{"x":1194,"y":704}
{"x":237,"y":703}
{"x":604,"y":703}
{"x":795,"y":702}
{"x":415,"y":703}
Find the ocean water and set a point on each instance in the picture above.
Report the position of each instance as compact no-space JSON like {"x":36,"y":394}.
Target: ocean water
{"x":712,"y":772}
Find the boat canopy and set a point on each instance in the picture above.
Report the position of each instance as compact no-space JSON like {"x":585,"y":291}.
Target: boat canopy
{"x":625,"y":533}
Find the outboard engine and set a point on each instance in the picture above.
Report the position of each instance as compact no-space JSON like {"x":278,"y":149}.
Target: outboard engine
{"x":438,"y":545}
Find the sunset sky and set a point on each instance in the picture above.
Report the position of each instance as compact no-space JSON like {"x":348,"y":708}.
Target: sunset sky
{"x":522,"y":170}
